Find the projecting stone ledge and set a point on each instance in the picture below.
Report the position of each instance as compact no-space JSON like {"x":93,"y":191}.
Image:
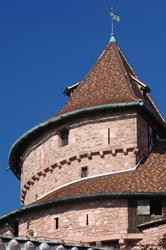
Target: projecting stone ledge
{"x":17,"y":243}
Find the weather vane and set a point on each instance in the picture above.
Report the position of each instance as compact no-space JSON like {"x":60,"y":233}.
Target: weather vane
{"x":115,"y":18}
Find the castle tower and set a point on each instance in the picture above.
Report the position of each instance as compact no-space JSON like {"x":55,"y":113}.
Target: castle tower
{"x":95,"y":171}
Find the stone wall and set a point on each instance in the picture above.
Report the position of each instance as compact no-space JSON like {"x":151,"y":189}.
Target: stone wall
{"x":48,"y":166}
{"x":83,"y":222}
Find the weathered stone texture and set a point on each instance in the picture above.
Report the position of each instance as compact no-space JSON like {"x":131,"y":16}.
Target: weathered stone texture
{"x":106,"y":220}
{"x":88,"y":146}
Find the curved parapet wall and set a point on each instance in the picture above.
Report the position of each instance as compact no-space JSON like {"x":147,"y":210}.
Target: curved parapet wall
{"x":101,"y":145}
{"x":83,"y":222}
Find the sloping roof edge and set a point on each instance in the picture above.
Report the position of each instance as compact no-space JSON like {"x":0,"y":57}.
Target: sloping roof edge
{"x":150,"y":224}
{"x":18,"y":212}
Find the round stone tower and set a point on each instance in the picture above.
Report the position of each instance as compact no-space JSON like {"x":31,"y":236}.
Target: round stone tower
{"x":79,"y":169}
{"x":95,"y":134}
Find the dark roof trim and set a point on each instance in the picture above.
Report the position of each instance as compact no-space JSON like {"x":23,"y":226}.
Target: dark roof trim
{"x":18,"y":212}
{"x":69,"y":89}
{"x":141,"y":84}
{"x":20,"y":145}
{"x":151,"y":224}
{"x":155,"y":117}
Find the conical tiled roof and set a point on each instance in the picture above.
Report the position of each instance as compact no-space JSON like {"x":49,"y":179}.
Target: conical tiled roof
{"x":107,"y":82}
{"x":111,"y":80}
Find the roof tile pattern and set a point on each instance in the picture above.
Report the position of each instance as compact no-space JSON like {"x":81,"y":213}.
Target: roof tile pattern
{"x":148,"y":177}
{"x":107,"y":82}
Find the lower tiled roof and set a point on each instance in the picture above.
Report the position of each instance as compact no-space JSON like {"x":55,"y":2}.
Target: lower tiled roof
{"x":149,"y":177}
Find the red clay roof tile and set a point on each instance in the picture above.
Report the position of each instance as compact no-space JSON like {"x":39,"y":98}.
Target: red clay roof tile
{"x":109,"y":81}
{"x":148,"y":177}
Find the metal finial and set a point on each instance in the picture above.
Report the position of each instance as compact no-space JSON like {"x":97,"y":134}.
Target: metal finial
{"x":114,"y":18}
{"x":112,"y":14}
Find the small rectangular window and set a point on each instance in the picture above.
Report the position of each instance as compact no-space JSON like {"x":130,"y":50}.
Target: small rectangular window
{"x":143,"y":207}
{"x":56,"y":223}
{"x":64,"y":135}
{"x":84,"y":172}
{"x":149,"y":207}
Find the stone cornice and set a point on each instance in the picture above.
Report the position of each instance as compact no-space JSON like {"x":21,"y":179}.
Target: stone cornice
{"x":81,"y":155}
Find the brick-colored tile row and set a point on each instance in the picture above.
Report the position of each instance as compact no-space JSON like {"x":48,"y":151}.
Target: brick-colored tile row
{"x":148,"y":177}
{"x":108,"y":81}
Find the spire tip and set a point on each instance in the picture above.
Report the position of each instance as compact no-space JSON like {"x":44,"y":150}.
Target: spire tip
{"x":115,"y":18}
{"x":112,"y":39}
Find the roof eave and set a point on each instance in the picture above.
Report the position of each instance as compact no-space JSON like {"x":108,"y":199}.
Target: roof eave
{"x":150,"y":224}
{"x":70,"y":199}
{"x":29,"y":134}
{"x":20,"y":145}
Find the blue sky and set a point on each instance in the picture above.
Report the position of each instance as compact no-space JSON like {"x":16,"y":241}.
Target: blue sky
{"x":48,"y":45}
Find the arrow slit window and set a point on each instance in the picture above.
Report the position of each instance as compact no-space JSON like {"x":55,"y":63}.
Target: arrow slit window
{"x":56,"y":223}
{"x":109,"y":136}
